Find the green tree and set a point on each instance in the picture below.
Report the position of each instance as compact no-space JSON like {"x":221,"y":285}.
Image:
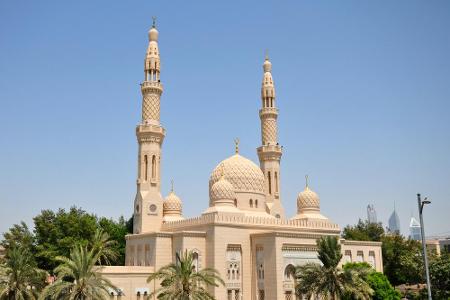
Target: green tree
{"x":364,"y":231}
{"x":440,"y":277}
{"x":181,"y":281}
{"x":117,"y":232}
{"x":57,"y":233}
{"x":106,"y":247}
{"x":19,"y":276}
{"x":382,"y":288}
{"x":402,"y":260}
{"x":78,"y":277}
{"x":328,"y":280}
{"x":18,"y":236}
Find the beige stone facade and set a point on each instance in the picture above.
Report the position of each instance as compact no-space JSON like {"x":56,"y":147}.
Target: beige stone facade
{"x":244,"y":232}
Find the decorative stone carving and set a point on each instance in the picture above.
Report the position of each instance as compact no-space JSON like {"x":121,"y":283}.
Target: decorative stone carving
{"x":241,"y":172}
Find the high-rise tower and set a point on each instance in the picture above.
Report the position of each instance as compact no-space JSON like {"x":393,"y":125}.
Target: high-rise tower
{"x":148,"y":204}
{"x":270,"y":151}
{"x":394,"y":223}
{"x":371,"y":214}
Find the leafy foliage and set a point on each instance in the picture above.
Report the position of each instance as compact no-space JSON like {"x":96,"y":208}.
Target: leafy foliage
{"x":19,"y":277}
{"x":440,"y":277}
{"x":328,"y":280}
{"x":382,"y":288}
{"x":19,"y":237}
{"x":402,"y":260}
{"x":182,"y":281}
{"x":117,"y":231}
{"x":78,"y":278}
{"x":55,"y":233}
{"x":364,"y":231}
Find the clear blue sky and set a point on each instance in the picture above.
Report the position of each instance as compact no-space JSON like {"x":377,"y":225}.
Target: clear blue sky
{"x":363,"y":90}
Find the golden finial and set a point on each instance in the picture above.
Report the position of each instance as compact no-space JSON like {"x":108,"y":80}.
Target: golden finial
{"x":171,"y":183}
{"x":236,"y":143}
{"x":154,"y":22}
{"x":306,"y":179}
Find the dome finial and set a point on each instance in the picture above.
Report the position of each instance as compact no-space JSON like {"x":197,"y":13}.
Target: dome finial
{"x":236,"y":144}
{"x":171,"y":184}
{"x":266,"y":56}
{"x":154,"y":22}
{"x":306,"y":181}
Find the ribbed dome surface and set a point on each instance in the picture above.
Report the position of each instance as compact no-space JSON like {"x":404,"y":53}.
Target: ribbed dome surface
{"x":308,"y":200}
{"x":172,"y":203}
{"x":243,"y":174}
{"x":221,"y":190}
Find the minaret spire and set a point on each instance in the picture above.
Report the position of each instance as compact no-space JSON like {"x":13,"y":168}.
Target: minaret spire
{"x":150,"y":134}
{"x":151,"y":87}
{"x":270,"y":151}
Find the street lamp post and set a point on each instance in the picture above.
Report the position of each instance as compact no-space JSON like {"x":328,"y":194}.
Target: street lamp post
{"x":424,"y":247}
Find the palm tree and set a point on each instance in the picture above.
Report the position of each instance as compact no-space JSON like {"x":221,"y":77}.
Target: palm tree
{"x":19,"y":276}
{"x":328,"y":280}
{"x":104,"y":246}
{"x":78,"y":278}
{"x":182,"y":281}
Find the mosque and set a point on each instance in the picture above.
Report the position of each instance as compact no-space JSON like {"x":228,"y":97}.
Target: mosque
{"x":244,"y":233}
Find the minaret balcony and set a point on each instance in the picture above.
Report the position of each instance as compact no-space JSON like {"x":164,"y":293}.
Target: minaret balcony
{"x":270,"y":152}
{"x":150,"y":133}
{"x":268,"y":112}
{"x":151,"y":85}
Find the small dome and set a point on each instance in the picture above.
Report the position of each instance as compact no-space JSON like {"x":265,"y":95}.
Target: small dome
{"x":153,"y":35}
{"x":243,"y":174}
{"x":308,"y":200}
{"x":222,"y":190}
{"x":172,"y":204}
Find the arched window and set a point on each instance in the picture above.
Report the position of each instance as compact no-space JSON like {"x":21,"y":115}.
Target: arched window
{"x":289,"y":272}
{"x":235,"y":202}
{"x":251,"y":203}
{"x":145,"y":167}
{"x":195,"y":261}
{"x":276,"y":182}
{"x":256,"y":203}
{"x":233,"y":272}
{"x":269,"y":180}
{"x":153,"y":166}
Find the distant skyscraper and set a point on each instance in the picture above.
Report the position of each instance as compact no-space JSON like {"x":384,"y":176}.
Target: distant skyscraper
{"x":371,"y":214}
{"x":414,"y":229}
{"x":394,"y":223}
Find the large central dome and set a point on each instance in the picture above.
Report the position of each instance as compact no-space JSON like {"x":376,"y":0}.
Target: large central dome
{"x":242,"y":173}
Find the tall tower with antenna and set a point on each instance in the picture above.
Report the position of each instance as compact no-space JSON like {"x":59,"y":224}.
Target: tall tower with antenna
{"x":148,"y":204}
{"x":269,"y":153}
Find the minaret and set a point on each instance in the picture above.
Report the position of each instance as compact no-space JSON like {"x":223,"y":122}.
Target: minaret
{"x":270,"y":151}
{"x":148,"y":205}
